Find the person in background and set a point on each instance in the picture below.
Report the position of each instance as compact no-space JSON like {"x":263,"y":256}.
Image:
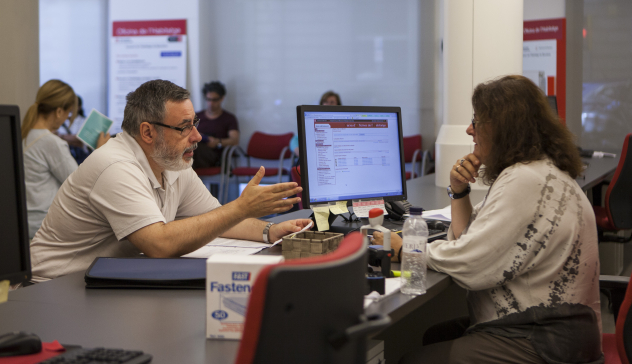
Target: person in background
{"x":69,"y":130}
{"x":527,"y":254}
{"x":329,"y":98}
{"x":218,"y":127}
{"x":47,"y":159}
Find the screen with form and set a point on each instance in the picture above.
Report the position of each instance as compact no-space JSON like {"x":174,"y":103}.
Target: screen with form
{"x":350,"y":153}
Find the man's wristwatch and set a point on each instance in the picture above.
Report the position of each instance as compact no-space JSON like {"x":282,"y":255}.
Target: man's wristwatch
{"x":219,"y":143}
{"x":456,"y":196}
{"x":266,"y":233}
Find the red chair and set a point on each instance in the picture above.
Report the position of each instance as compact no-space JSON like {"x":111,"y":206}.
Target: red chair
{"x":616,"y":215}
{"x":261,"y":146}
{"x":617,"y":347}
{"x":414,"y":154}
{"x":298,"y":314}
{"x":296,"y":177}
{"x":207,"y":175}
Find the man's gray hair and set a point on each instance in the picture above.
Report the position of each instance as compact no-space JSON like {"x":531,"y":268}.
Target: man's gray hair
{"x":147,"y":103}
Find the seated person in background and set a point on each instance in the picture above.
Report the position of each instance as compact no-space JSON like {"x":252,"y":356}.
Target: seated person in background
{"x":69,"y":130}
{"x":218,"y":127}
{"x":527,"y":254}
{"x":47,"y":159}
{"x":138,"y":194}
{"x":329,"y":98}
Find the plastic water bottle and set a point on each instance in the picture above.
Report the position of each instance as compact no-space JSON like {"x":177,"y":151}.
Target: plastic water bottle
{"x":414,"y":254}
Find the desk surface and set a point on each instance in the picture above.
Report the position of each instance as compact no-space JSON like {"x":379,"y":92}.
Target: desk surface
{"x":169,"y":324}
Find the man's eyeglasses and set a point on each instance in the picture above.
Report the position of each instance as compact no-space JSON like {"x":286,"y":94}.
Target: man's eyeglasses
{"x":184,"y":131}
{"x":213,"y":99}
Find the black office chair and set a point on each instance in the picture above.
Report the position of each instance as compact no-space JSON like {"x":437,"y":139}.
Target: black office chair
{"x":617,"y":213}
{"x":311,"y":310}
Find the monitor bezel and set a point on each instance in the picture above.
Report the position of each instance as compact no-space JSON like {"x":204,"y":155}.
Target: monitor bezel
{"x":13,"y":112}
{"x":300,"y":113}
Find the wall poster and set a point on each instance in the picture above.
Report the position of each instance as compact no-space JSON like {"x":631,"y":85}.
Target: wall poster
{"x":544,"y":57}
{"x":141,"y":51}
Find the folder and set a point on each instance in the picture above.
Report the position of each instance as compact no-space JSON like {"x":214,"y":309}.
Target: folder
{"x":170,"y":273}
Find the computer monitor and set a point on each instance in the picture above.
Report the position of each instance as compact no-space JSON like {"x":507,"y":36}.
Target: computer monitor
{"x":15,"y":261}
{"x":350,"y":152}
{"x":553,"y":103}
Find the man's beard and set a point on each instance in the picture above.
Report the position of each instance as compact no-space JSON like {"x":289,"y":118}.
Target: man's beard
{"x":170,"y":159}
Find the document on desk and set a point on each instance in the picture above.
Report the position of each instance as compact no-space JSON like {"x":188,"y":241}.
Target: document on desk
{"x":235,"y":246}
{"x":228,"y":246}
{"x":444,"y":214}
{"x":391,"y":285}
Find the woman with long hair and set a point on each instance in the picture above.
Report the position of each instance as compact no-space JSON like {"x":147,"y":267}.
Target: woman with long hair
{"x":47,"y":158}
{"x":527,"y":254}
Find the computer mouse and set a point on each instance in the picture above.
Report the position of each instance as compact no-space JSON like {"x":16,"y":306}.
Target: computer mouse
{"x":19,"y":343}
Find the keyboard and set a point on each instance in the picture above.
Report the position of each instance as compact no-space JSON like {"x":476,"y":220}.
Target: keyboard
{"x":100,"y":355}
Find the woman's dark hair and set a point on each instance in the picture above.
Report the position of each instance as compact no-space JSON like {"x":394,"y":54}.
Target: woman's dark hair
{"x":214,"y":86}
{"x":520,"y":127}
{"x":80,"y":107}
{"x":328,"y":94}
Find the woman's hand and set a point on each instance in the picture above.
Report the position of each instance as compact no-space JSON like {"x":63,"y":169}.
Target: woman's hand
{"x":464,"y":171}
{"x":396,"y":243}
{"x":103,"y":138}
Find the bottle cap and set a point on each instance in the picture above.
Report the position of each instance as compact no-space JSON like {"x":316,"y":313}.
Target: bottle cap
{"x":416,"y":211}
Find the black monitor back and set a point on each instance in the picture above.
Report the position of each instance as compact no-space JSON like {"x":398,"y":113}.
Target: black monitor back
{"x":553,"y":103}
{"x":15,"y":262}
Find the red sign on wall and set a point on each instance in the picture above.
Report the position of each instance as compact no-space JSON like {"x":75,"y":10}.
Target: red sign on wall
{"x":544,"y":57}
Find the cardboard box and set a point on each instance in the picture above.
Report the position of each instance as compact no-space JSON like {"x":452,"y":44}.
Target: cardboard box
{"x":229,"y":281}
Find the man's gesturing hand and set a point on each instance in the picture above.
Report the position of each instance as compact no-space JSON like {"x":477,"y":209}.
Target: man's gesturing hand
{"x":257,"y":201}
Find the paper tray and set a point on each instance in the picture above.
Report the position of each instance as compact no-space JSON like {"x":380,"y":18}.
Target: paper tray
{"x":169,"y":273}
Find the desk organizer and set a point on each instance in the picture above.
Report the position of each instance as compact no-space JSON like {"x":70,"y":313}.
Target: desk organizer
{"x":309,"y":244}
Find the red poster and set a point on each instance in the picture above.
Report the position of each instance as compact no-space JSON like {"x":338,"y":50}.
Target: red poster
{"x":544,"y":57}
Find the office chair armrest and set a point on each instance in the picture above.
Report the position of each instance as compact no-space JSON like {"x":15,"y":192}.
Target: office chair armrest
{"x":613,"y":282}
{"x":367,"y":325}
{"x":224,"y":163}
{"x":414,"y":160}
{"x":236,"y":151}
{"x":426,"y":162}
{"x":614,"y":288}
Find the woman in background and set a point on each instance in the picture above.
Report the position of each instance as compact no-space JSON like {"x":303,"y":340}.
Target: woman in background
{"x":47,"y":158}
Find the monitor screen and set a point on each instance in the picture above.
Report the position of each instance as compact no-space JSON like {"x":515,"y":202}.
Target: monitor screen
{"x":350,"y":152}
{"x":15,"y":264}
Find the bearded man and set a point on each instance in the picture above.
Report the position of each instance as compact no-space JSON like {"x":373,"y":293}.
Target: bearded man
{"x":138,"y":194}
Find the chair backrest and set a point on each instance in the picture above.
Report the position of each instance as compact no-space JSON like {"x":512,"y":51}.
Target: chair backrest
{"x":296,"y":306}
{"x":269,"y":146}
{"x":411,"y":143}
{"x":619,"y":193}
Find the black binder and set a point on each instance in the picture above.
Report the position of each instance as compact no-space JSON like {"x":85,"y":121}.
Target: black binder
{"x":170,"y":273}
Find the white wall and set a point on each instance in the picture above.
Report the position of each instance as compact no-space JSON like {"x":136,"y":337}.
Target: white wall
{"x":544,"y":9}
{"x":73,"y":47}
{"x":19,"y":55}
{"x":271,"y":54}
